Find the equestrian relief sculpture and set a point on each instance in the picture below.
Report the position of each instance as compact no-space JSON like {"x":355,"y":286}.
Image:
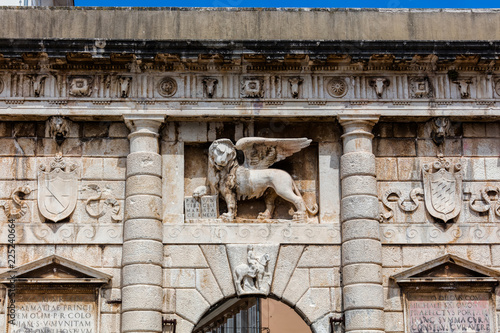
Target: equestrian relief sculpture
{"x":252,"y":179}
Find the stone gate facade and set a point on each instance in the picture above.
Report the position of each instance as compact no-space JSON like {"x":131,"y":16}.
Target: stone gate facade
{"x":155,"y":163}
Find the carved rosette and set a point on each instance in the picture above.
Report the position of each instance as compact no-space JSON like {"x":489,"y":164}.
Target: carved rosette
{"x":443,"y":189}
{"x":337,"y":87}
{"x":167,"y":87}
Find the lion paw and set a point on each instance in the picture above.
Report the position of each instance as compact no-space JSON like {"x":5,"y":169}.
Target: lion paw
{"x":227,"y":217}
{"x":264,"y":215}
{"x":299,"y":216}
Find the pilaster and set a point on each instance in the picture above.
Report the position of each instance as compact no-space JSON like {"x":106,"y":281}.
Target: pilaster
{"x":142,"y":257}
{"x":361,"y":246}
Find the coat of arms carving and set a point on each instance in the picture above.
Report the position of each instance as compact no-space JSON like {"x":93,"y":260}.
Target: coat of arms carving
{"x":443,"y":189}
{"x":57,"y":189}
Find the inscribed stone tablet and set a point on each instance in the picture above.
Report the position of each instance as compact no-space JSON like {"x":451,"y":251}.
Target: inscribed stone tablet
{"x":450,"y":312}
{"x":209,"y":207}
{"x":41,"y":310}
{"x":191,"y":208}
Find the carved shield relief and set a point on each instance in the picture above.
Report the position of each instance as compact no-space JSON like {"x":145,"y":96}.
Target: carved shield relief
{"x":57,"y":190}
{"x":443,"y":189}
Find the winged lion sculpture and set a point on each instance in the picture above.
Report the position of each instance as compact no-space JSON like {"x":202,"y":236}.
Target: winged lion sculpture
{"x":252,"y":179}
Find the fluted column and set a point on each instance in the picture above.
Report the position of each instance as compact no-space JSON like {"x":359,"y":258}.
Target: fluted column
{"x":142,"y":230}
{"x":361,"y":246}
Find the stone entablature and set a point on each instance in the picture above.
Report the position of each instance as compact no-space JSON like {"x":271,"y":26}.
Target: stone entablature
{"x":155,"y":168}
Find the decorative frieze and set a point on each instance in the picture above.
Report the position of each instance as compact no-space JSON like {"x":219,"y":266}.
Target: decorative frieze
{"x":291,"y":87}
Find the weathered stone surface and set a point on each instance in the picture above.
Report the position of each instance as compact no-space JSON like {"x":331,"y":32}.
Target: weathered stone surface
{"x":359,"y":207}
{"x":361,"y":251}
{"x":207,"y":285}
{"x":144,"y":163}
{"x":364,"y":319}
{"x":362,"y":273}
{"x":354,"y":229}
{"x":315,"y":303}
{"x":141,"y":321}
{"x":319,"y":256}
{"x":323,"y":277}
{"x":287,"y":261}
{"x":179,"y":278}
{"x":142,"y":252}
{"x":217,"y":258}
{"x":138,"y":297}
{"x":354,"y":164}
{"x":142,"y":274}
{"x":142,"y":229}
{"x":297,"y":286}
{"x":190,"y":304}
{"x":362,"y":296}
{"x":143,"y":207}
{"x":191,"y":256}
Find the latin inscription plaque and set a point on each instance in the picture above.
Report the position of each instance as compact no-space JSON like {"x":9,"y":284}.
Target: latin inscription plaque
{"x":449,"y":312}
{"x":63,"y":311}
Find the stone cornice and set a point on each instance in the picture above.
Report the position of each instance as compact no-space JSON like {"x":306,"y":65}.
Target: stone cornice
{"x":115,"y":54}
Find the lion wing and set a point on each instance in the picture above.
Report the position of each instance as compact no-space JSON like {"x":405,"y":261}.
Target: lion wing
{"x":261,"y":153}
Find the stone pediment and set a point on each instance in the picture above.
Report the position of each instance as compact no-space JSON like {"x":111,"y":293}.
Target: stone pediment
{"x":448,"y":268}
{"x":55,"y":269}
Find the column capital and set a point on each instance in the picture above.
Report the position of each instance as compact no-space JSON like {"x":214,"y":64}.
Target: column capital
{"x":144,"y":123}
{"x":354,"y":122}
{"x":357,"y":135}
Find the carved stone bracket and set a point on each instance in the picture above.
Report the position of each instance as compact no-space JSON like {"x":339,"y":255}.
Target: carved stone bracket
{"x":440,"y":129}
{"x":58,"y":128}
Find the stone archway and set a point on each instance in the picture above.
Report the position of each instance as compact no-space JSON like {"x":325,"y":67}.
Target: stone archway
{"x":252,"y":315}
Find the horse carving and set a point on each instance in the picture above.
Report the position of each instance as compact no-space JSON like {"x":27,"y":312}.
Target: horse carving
{"x":251,"y":277}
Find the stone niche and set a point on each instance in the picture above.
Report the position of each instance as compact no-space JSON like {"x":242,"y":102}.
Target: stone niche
{"x":447,"y":295}
{"x":53,"y":294}
{"x":303,"y":166}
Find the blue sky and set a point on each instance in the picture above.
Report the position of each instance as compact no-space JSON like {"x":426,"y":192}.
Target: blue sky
{"x":296,"y":3}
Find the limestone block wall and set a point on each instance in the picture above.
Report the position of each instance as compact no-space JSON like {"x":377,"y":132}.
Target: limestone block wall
{"x":198,"y":277}
{"x":92,"y":234}
{"x":414,"y":237}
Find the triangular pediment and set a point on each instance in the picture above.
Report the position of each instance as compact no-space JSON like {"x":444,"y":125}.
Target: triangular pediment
{"x":55,"y":269}
{"x":448,"y":268}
